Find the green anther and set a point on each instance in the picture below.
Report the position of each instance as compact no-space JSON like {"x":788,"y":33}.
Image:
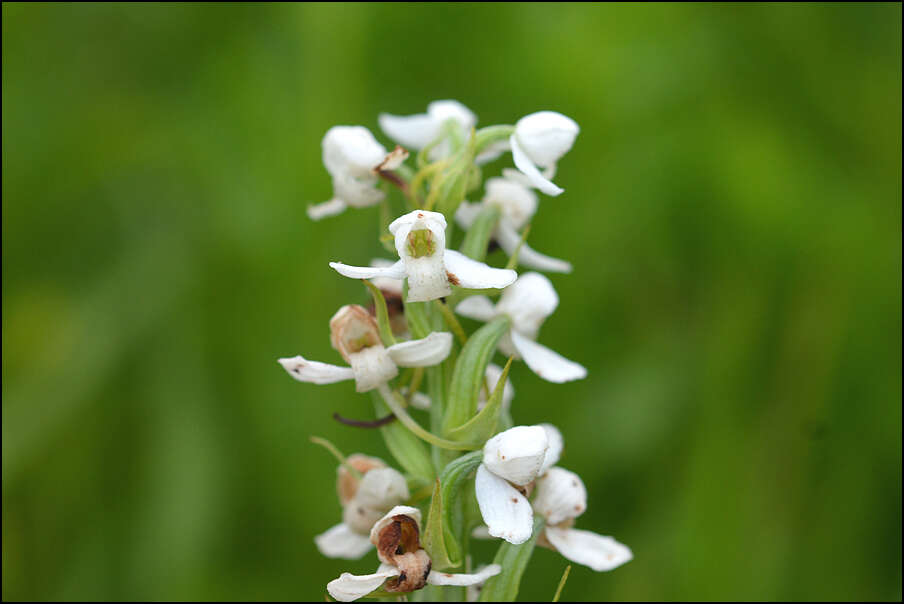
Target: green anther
{"x":421,"y":243}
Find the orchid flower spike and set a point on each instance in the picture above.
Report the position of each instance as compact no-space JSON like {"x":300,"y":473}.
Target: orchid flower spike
{"x":354,"y":158}
{"x":561,"y":497}
{"x":405,"y":565}
{"x":539,"y":141}
{"x":419,"y":130}
{"x":517,"y":204}
{"x":512,"y":460}
{"x":527,"y":302}
{"x":363,"y":502}
{"x":354,"y":333}
{"x":431,"y":269}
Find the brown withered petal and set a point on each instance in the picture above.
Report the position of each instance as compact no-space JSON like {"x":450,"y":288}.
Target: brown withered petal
{"x":352,"y":329}
{"x":414,"y":568}
{"x":346,"y":483}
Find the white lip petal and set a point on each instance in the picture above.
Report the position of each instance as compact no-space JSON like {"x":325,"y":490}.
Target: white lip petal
{"x":424,"y":352}
{"x":596,"y":551}
{"x":527,"y":167}
{"x":349,"y":587}
{"x":529,"y":301}
{"x":548,"y":364}
{"x":372,"y":366}
{"x":315,"y":372}
{"x":465,"y":272}
{"x":554,"y":451}
{"x":477,"y":307}
{"x":516,"y":454}
{"x":326,"y":209}
{"x":560,"y":496}
{"x":508,"y":239}
{"x":462,"y":580}
{"x":396,"y":271}
{"x":505,"y":510}
{"x":341,"y":541}
{"x":414,"y":131}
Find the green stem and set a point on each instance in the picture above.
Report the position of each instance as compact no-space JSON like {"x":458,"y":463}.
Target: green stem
{"x":337,"y":454}
{"x":389,"y":397}
{"x":452,"y":321}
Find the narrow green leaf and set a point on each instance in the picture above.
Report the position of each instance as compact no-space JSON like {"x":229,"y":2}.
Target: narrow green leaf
{"x":409,"y":451}
{"x":434,"y":539}
{"x":382,"y":313}
{"x":564,"y":578}
{"x":445,"y":525}
{"x":468,"y":375}
{"x":416,"y":314}
{"x":513,"y":559}
{"x":477,"y":239}
{"x":483,"y":425}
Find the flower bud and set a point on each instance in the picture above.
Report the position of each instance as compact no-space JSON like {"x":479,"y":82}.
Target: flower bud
{"x":561,"y":496}
{"x":517,"y":454}
{"x":546,"y":136}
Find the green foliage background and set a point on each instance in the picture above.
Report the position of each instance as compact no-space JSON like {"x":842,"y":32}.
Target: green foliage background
{"x":732,"y":208}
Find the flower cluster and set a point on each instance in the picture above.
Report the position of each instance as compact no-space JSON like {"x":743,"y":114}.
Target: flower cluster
{"x":410,"y":351}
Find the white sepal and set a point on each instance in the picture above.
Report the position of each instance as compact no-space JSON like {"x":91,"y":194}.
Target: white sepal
{"x":517,"y":202}
{"x":584,"y":547}
{"x":554,"y":451}
{"x":465,"y":272}
{"x":394,"y":271}
{"x":545,"y":136}
{"x":372,"y":366}
{"x":462,"y":580}
{"x":341,"y":541}
{"x":528,"y":301}
{"x":560,"y":496}
{"x":328,"y":208}
{"x":315,"y":372}
{"x":480,"y":308}
{"x":349,"y":587}
{"x":505,"y":510}
{"x":546,"y":363}
{"x":517,"y":454}
{"x":527,"y":167}
{"x":424,"y":352}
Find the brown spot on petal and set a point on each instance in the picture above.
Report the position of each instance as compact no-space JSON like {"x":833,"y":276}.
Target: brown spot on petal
{"x":514,"y":500}
{"x":452,"y":278}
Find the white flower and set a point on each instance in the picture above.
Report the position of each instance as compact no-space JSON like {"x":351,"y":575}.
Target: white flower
{"x":419,"y":130}
{"x":561,"y":497}
{"x":405,"y":566}
{"x":363,"y":503}
{"x":353,"y":158}
{"x":517,"y":204}
{"x":539,"y":141}
{"x":527,"y":302}
{"x":514,"y":457}
{"x":354,"y":333}
{"x":420,"y":239}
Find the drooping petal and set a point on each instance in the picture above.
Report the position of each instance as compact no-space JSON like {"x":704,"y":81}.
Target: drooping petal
{"x":505,"y":510}
{"x":477,"y":307}
{"x":596,"y":551}
{"x":554,"y":451}
{"x":349,"y":587}
{"x":508,"y":239}
{"x":528,"y":301}
{"x":560,"y":496}
{"x":462,"y":580}
{"x":546,"y":363}
{"x":424,"y":352}
{"x":372,"y":366}
{"x":516,"y":454}
{"x":342,"y":542}
{"x":395,"y":271}
{"x":315,"y":372}
{"x":413,"y":131}
{"x":465,"y":272}
{"x":326,"y":209}
{"x":527,"y":167}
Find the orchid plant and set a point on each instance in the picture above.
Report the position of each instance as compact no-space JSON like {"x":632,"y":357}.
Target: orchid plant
{"x":443,"y":407}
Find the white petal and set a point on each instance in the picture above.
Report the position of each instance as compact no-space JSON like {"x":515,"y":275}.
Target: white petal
{"x":393,"y":160}
{"x":357,"y":191}
{"x":505,"y":510}
{"x":560,"y":496}
{"x":427,"y":277}
{"x":424,"y":352}
{"x":465,"y":272}
{"x":382,"y":488}
{"x":554,"y":451}
{"x":461,"y":580}
{"x":399,"y":510}
{"x":491,"y":152}
{"x":449,"y":109}
{"x":596,"y":551}
{"x":516,"y":454}
{"x":349,"y":587}
{"x":413,"y":131}
{"x":387,"y":284}
{"x":396,"y":271}
{"x":477,"y":307}
{"x":326,"y":209}
{"x":545,"y":136}
{"x":481,"y":532}
{"x":466,"y":213}
{"x":528,"y":301}
{"x":432,"y":220}
{"x":527,"y":167}
{"x":508,"y":239}
{"x":351,"y":151}
{"x":548,"y":364}
{"x":372,"y":367}
{"x":517,"y":201}
{"x":342,"y":542}
{"x":314,"y":372}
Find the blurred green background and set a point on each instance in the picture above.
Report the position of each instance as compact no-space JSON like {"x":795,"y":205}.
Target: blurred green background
{"x":732,"y":209}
